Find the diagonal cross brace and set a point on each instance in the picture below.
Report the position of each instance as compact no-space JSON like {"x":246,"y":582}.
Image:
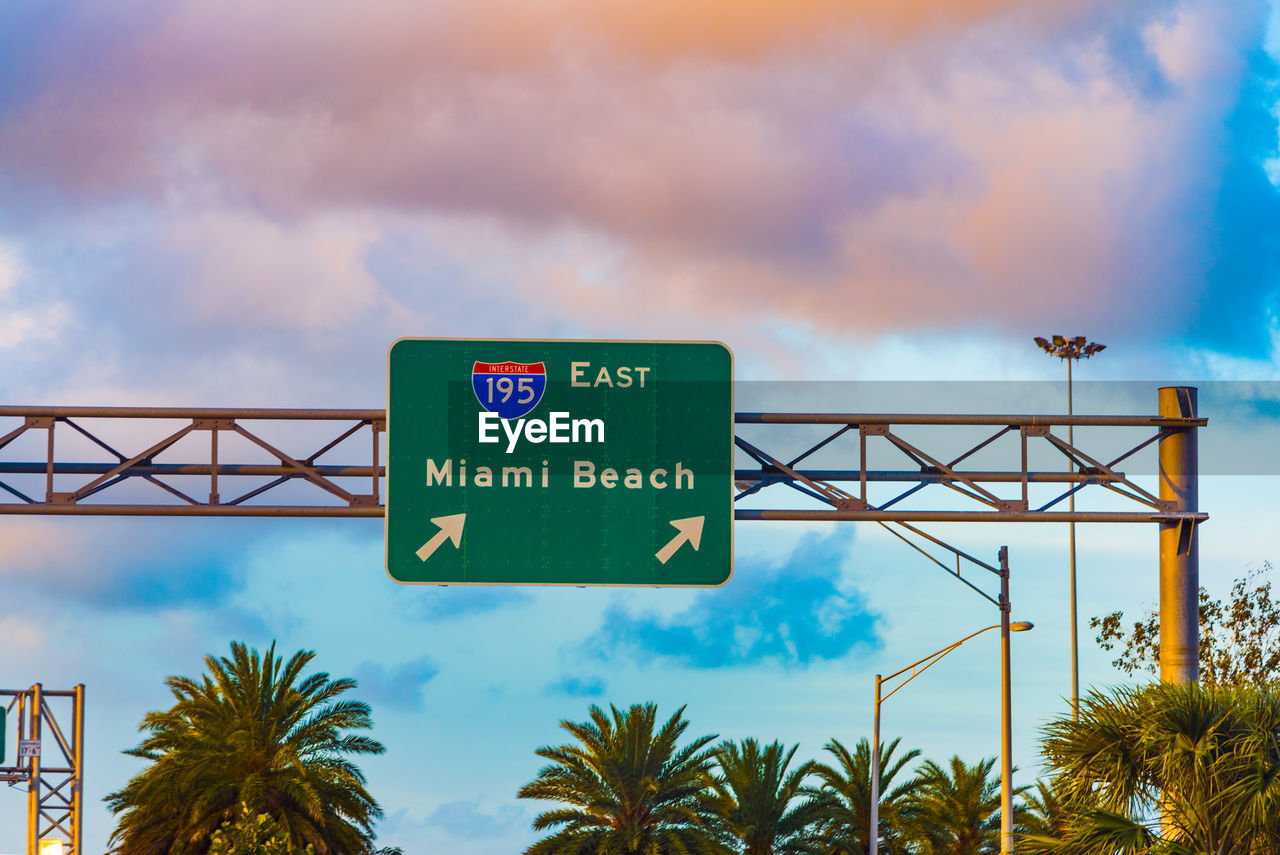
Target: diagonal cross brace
{"x":832,"y":495}
{"x":306,"y":471}
{"x":983,"y":495}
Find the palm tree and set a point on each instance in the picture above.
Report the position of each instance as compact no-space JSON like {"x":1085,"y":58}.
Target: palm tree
{"x":758,"y":793}
{"x":956,"y":811}
{"x":253,"y":834}
{"x":628,"y":789}
{"x":1204,"y":761}
{"x":250,"y":730}
{"x":1047,"y":814}
{"x":845,"y":795}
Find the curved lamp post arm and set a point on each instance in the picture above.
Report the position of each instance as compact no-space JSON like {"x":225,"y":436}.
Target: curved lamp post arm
{"x":920,"y":666}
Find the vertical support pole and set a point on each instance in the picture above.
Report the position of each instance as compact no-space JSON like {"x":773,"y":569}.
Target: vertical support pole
{"x":373,"y":427}
{"x":22,"y":723}
{"x":873,"y":827}
{"x":48,"y":472}
{"x":862,"y":465}
{"x":1006,"y":713}
{"x":1071,"y":535}
{"x":33,"y":783}
{"x":77,"y":787}
{"x":1025,"y":495}
{"x":213,"y":470}
{"x":1179,"y":548}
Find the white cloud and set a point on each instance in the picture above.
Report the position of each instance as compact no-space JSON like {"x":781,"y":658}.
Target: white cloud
{"x":242,"y":268}
{"x":42,"y":324}
{"x":10,"y":266}
{"x":23,"y":323}
{"x":20,"y":634}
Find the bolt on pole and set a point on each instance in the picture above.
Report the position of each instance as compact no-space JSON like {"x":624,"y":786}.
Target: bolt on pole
{"x":1179,"y":548}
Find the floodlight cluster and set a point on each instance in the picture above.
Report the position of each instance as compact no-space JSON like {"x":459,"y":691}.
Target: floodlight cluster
{"x":1062,"y":347}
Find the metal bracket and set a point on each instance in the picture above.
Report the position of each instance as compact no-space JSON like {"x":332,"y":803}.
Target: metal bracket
{"x":213,"y":424}
{"x":874,"y":430}
{"x":1186,"y":531}
{"x":1035,"y":430}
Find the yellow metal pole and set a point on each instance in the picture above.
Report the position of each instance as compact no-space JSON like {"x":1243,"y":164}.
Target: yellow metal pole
{"x":1179,"y":547}
{"x":77,"y":788}
{"x":33,"y":783}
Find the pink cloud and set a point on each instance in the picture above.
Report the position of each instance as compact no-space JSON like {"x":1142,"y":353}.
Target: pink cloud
{"x":861,"y":164}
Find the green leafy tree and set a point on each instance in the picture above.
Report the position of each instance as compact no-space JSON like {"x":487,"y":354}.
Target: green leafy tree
{"x":764,"y":806}
{"x":252,"y":729}
{"x":955,"y":810}
{"x":1239,"y":638}
{"x":1168,"y":770}
{"x":845,"y":798}
{"x":628,"y":788}
{"x":254,"y":834}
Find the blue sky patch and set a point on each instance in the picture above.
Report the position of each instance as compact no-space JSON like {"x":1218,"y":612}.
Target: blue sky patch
{"x":793,"y":613}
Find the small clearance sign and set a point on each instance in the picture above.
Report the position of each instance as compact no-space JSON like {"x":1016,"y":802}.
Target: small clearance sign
{"x":559,"y":462}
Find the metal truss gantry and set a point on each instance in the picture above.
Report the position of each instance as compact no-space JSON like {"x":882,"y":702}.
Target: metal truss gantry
{"x":55,"y":775}
{"x":65,"y":461}
{"x":207,"y":450}
{"x":59,"y":484}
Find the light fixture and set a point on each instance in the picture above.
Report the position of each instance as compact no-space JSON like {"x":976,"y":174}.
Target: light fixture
{"x":1077,"y":347}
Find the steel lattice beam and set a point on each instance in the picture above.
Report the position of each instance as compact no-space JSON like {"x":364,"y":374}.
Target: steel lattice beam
{"x":60,"y":486}
{"x":96,"y":489}
{"x":853,"y":432}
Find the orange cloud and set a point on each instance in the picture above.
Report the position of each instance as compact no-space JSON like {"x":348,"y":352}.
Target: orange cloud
{"x":851,"y":164}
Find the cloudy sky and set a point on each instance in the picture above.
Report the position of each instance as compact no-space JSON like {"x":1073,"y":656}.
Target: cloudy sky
{"x":243,"y":204}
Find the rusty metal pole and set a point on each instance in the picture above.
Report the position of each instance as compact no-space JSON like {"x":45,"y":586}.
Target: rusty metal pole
{"x":1179,"y":548}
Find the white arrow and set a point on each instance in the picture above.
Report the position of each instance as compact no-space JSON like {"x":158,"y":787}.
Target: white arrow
{"x":690,"y":531}
{"x":450,"y":529}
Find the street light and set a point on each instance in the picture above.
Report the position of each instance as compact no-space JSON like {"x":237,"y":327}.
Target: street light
{"x":1006,"y":730}
{"x":1070,"y":350}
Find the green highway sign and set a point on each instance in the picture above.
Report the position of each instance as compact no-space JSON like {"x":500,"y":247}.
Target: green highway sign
{"x":559,"y":462}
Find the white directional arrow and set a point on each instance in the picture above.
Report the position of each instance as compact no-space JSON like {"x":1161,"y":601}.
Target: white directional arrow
{"x":450,"y":529}
{"x":690,"y":531}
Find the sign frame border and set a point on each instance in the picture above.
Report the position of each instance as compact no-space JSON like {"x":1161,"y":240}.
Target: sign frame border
{"x":386,"y":515}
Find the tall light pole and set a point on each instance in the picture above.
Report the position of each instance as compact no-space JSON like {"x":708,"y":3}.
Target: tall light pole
{"x":1070,"y":350}
{"x":1006,"y":725}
